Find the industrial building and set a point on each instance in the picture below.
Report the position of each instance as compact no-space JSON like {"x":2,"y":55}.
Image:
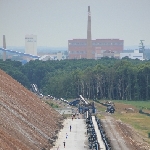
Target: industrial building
{"x":100,"y":48}
{"x":94,"y":49}
{"x":55,"y":56}
{"x":132,"y":54}
{"x":31,"y":44}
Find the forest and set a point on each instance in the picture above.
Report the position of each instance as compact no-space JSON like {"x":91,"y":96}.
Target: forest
{"x":106,"y":78}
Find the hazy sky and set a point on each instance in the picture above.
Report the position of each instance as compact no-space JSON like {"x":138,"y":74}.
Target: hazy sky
{"x":56,"y":21}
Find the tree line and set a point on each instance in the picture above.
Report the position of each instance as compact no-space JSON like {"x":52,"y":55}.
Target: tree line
{"x":106,"y":78}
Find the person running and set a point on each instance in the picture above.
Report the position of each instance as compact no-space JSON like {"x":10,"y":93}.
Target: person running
{"x":70,"y":128}
{"x":64,"y":144}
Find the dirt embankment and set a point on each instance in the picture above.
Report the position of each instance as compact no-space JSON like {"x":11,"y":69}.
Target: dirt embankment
{"x":136,"y":141}
{"x":25,"y":121}
{"x":121,"y":136}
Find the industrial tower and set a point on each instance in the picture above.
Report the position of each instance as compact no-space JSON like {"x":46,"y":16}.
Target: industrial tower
{"x":94,"y":49}
{"x":89,"y":40}
{"x":4,"y":46}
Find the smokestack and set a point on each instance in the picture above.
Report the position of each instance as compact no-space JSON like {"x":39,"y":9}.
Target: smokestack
{"x":89,"y":42}
{"x":4,"y":46}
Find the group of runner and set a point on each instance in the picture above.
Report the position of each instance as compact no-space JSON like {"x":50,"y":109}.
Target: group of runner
{"x":66,"y":137}
{"x":73,"y":117}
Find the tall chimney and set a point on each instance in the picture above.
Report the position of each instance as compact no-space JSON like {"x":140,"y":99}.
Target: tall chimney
{"x":4,"y":46}
{"x":89,"y":42}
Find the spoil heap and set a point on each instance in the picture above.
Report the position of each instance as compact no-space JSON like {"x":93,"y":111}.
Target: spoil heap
{"x":25,"y":121}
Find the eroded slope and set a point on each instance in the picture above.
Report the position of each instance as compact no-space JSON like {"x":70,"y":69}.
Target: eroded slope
{"x":25,"y":121}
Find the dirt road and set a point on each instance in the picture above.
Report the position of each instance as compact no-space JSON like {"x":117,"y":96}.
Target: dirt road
{"x":122,"y":136}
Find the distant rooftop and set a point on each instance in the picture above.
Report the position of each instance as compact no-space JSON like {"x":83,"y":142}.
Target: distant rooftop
{"x":128,"y":51}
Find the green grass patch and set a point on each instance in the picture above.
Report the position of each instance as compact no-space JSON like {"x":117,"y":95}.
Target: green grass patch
{"x":139,"y":122}
{"x":100,"y":116}
{"x":138,"y":104}
{"x":66,"y":116}
{"x":52,"y":104}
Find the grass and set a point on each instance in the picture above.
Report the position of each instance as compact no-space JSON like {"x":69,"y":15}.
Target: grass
{"x":100,"y":116}
{"x":140,"y":122}
{"x":66,"y":116}
{"x":138,"y":104}
{"x":100,"y":108}
{"x":52,"y":104}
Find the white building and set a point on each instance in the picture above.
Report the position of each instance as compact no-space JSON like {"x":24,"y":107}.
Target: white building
{"x":59,"y":56}
{"x":56,"y":56}
{"x":132,"y":55}
{"x":46,"y":57}
{"x":31,"y":44}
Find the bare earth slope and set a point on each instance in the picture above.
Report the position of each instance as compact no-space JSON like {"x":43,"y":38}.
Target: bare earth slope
{"x":25,"y":121}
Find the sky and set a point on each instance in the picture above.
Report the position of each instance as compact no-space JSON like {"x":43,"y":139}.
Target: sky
{"x":57,"y":21}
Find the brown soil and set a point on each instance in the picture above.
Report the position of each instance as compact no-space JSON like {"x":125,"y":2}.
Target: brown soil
{"x":119,"y":107}
{"x":26,"y":122}
{"x":136,"y":141}
{"x":121,"y":136}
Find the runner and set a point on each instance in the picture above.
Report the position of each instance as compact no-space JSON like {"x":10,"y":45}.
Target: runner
{"x":70,"y":128}
{"x":64,"y":144}
{"x":66,"y":135}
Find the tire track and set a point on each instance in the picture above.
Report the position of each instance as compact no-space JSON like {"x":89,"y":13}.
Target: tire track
{"x":116,"y":140}
{"x":129,"y":135}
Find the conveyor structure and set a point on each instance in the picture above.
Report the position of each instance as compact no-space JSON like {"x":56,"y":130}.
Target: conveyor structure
{"x":96,"y":134}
